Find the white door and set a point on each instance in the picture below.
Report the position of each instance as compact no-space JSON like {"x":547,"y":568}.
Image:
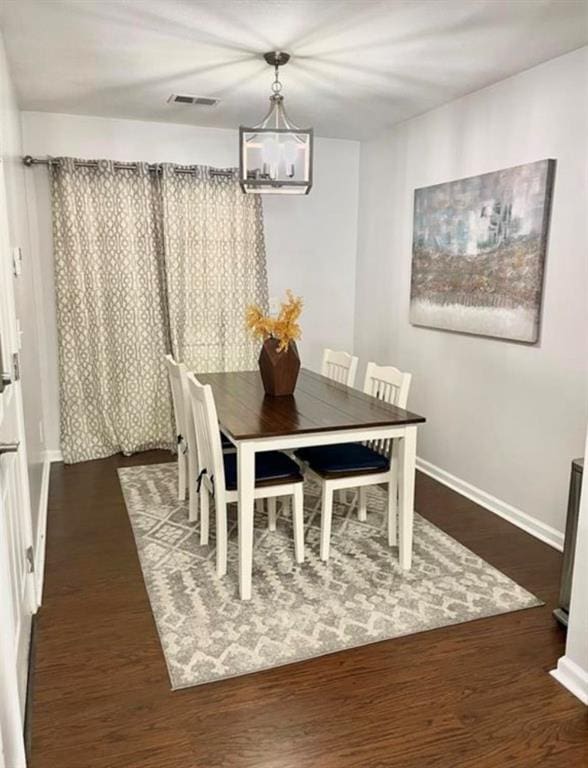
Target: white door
{"x":17,"y":587}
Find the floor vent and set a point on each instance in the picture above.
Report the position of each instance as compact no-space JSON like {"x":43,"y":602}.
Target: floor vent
{"x":184,"y":98}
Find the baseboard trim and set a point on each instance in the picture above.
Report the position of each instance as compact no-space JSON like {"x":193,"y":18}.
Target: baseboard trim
{"x":42,"y":530}
{"x":28,"y":721}
{"x":573,"y":677}
{"x":515,"y":516}
{"x":54,"y":456}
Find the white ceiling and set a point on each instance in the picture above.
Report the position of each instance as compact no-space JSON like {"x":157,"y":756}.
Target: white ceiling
{"x":357,"y":66}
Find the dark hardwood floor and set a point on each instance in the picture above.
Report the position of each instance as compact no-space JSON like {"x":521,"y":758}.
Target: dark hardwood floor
{"x":476,"y":694}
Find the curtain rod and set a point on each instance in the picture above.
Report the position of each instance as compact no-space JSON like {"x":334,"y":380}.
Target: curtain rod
{"x":29,"y":161}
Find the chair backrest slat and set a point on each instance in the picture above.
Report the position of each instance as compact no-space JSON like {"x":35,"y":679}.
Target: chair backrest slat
{"x":176,"y":373}
{"x":390,"y":385}
{"x":205,"y":422}
{"x":339,"y":366}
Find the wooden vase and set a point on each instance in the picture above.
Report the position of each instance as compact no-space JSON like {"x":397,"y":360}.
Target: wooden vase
{"x":279,"y":370}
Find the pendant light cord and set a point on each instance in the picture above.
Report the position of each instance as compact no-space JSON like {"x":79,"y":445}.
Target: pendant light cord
{"x":277,"y":85}
{"x":276,"y":88}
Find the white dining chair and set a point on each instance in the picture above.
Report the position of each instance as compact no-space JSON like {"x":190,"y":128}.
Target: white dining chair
{"x":391,"y":385}
{"x":359,"y":465}
{"x":339,"y":366}
{"x":179,"y":401}
{"x":275,"y":475}
{"x":187,"y":448}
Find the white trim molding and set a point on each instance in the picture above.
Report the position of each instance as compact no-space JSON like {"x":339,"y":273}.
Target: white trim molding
{"x":572,"y":677}
{"x":515,"y":516}
{"x":40,"y":540}
{"x":53,"y":456}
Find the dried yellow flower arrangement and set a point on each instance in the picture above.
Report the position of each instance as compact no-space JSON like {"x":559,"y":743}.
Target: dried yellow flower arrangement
{"x":279,"y":363}
{"x":284,"y":328}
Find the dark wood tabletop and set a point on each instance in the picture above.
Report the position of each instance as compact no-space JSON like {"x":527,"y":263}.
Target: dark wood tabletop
{"x":318,"y":404}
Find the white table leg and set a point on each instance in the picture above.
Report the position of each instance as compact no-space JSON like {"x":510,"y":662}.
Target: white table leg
{"x":246,"y":488}
{"x":326,"y":517}
{"x":362,"y":506}
{"x":271,"y":513}
{"x":406,"y":475}
{"x":298,"y":522}
{"x":393,"y":496}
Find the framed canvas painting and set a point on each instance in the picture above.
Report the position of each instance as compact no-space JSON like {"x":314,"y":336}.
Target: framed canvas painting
{"x":479,"y":252}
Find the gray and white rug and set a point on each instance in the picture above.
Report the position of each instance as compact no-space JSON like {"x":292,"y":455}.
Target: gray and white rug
{"x":297,"y":611}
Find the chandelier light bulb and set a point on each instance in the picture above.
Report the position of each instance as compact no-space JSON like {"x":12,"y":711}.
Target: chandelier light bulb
{"x":290,"y":155}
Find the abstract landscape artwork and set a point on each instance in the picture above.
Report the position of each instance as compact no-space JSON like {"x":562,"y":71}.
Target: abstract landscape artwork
{"x":479,"y":252}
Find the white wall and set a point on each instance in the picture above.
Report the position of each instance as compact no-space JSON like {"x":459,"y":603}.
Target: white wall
{"x":505,"y":417}
{"x":25,"y":287}
{"x":311,"y":240}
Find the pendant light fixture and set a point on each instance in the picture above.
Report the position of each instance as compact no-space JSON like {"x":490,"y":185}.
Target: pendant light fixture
{"x":275,"y":156}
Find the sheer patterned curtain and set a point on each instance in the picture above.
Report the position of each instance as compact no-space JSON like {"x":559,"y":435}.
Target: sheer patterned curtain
{"x":112,"y":324}
{"x":215,"y":266}
{"x":145,"y":263}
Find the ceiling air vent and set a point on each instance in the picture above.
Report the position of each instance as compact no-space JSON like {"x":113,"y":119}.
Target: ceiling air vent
{"x":184,"y":98}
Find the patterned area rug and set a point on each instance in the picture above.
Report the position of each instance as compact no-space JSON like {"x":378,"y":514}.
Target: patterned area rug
{"x":297,"y":611}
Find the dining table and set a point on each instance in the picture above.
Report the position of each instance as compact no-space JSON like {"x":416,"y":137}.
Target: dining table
{"x":319,"y":412}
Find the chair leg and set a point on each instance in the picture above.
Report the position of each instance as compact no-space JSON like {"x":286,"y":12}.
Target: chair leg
{"x":362,"y":505}
{"x":285,"y":506}
{"x":204,"y":514}
{"x":393,"y":510}
{"x":194,"y":502}
{"x":352,"y":498}
{"x":181,"y":474}
{"x":326,"y":517}
{"x":221,"y":535}
{"x":193,"y":506}
{"x":259,"y":506}
{"x":271,"y":513}
{"x":298,"y":523}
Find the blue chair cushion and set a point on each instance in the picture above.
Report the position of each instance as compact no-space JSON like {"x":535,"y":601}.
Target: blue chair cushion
{"x":344,"y":458}
{"x":270,"y":467}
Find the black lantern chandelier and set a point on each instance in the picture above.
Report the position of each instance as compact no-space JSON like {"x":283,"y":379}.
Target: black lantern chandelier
{"x":275,"y":156}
